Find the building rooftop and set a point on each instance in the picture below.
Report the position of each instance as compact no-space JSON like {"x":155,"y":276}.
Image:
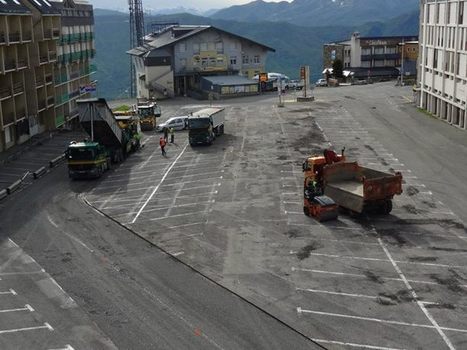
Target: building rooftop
{"x":173,"y":34}
{"x":13,"y":6}
{"x":45,"y":6}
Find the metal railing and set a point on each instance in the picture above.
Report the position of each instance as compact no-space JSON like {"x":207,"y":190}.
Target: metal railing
{"x":9,"y":65}
{"x":43,"y":59}
{"x":52,"y":55}
{"x":13,"y":37}
{"x":8,"y":118}
{"x":22,"y":63}
{"x":47,"y":33}
{"x":50,"y":100}
{"x":5,"y":92}
{"x":2,"y":38}
{"x":48,"y":78}
{"x":56,"y":32}
{"x":41,"y":105}
{"x":27,"y":36}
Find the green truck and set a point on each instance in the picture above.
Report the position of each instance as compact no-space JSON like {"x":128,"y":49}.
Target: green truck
{"x":205,"y":125}
{"x":111,"y":139}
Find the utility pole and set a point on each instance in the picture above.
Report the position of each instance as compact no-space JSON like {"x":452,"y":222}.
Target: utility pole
{"x":136,"y":36}
{"x":402,"y":63}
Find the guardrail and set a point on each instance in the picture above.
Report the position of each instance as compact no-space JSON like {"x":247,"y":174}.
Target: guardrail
{"x":57,"y":160}
{"x":39,"y":172}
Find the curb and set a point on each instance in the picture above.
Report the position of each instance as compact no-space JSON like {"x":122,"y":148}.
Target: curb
{"x":3,"y":193}
{"x":39,"y":172}
{"x":14,"y":186}
{"x":54,"y":162}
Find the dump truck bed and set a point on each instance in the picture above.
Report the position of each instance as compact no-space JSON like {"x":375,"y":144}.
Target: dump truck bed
{"x":355,"y":187}
{"x":96,"y":112}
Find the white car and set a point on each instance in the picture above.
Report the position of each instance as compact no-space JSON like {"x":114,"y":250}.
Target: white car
{"x":178,"y":123}
{"x":322,"y":82}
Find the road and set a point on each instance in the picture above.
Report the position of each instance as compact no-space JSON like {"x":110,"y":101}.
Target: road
{"x":125,"y":293}
{"x":231,"y":252}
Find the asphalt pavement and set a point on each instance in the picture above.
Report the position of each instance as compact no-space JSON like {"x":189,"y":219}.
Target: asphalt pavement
{"x":209,"y":247}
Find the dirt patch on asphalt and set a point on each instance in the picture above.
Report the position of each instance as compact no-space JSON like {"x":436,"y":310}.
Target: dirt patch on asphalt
{"x":394,"y":234}
{"x":302,"y":110}
{"x":311,"y":143}
{"x":373,"y":277}
{"x":292,"y":233}
{"x":430,"y":204}
{"x":451,"y":282}
{"x":411,"y":191}
{"x":411,"y":209}
{"x":423,"y":258}
{"x":306,"y":250}
{"x":402,"y":296}
{"x":440,"y":306}
{"x":449,"y":249}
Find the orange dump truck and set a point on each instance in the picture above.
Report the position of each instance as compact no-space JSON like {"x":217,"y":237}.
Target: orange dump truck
{"x":361,"y":189}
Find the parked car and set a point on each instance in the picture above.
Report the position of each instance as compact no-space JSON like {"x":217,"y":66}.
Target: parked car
{"x":321,"y":82}
{"x":296,"y":84}
{"x":178,"y":123}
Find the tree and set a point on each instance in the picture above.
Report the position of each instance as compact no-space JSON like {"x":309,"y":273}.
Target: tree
{"x":337,"y":68}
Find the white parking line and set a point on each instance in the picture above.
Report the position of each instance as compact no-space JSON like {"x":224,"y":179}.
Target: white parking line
{"x":378,"y":320}
{"x":67,"y":347}
{"x":158,"y":185}
{"x":318,"y":291}
{"x":45,"y":326}
{"x":415,"y":296}
{"x":177,"y":215}
{"x":26,"y":307}
{"x":185,"y":225}
{"x":11,"y":291}
{"x":346,"y":274}
{"x":382,"y":260}
{"x":354,"y":345}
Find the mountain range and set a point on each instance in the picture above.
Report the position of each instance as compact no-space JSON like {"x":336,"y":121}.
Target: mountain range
{"x":295,"y":45}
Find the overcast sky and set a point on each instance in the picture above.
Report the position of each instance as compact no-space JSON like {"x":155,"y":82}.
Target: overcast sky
{"x":170,"y":4}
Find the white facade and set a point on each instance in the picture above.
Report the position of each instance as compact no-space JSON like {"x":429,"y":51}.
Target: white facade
{"x":443,"y":59}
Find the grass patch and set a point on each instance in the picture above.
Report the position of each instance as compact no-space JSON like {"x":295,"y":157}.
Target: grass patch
{"x":122,"y":108}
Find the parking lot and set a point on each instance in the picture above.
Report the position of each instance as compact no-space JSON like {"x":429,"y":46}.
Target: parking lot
{"x":35,"y":311}
{"x":233,"y":211}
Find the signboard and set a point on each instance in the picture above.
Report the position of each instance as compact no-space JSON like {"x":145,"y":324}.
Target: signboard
{"x":91,"y":87}
{"x":302,"y":73}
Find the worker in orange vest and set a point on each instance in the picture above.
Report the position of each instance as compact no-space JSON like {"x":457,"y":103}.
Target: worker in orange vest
{"x":162,"y":143}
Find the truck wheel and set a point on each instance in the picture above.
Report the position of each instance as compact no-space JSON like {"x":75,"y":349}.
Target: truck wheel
{"x":387,"y":207}
{"x":306,"y":211}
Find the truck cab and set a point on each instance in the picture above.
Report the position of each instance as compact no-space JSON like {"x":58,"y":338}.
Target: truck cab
{"x":87,"y":159}
{"x":148,"y":112}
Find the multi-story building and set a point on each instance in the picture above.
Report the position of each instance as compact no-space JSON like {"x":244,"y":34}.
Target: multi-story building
{"x":179,"y":59}
{"x":75,"y":49}
{"x":443,"y":60}
{"x":32,"y":68}
{"x":374,"y":56}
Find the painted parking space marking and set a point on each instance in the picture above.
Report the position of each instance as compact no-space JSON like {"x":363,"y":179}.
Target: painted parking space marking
{"x":378,"y":320}
{"x":26,"y":307}
{"x":355,"y":345}
{"x":355,"y":275}
{"x":382,"y":260}
{"x":15,"y":330}
{"x":177,"y":215}
{"x":186,"y":225}
{"x":11,"y":292}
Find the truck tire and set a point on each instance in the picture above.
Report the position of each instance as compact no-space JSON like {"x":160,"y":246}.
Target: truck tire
{"x":222,"y":130}
{"x":387,"y":207}
{"x":306,"y":211}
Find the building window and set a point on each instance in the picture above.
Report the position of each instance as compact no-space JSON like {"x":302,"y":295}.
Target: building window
{"x":233,"y":60}
{"x":461,"y":12}
{"x":435,"y":58}
{"x":220,"y":47}
{"x":256,"y":59}
{"x":203,"y":47}
{"x":366,"y":51}
{"x":195,"y":48}
{"x":182,"y":47}
{"x":245,"y":59}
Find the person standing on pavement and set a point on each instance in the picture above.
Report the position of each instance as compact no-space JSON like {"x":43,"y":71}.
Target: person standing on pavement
{"x":162,"y":143}
{"x":166,"y":134}
{"x":172,"y":135}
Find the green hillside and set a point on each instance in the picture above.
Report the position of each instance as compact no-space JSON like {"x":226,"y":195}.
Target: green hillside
{"x":295,"y":45}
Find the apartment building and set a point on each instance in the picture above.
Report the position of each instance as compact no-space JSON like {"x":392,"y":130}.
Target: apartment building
{"x":443,"y":60}
{"x":180,"y":59}
{"x":75,"y":49}
{"x":376,"y":57}
{"x":32,"y":68}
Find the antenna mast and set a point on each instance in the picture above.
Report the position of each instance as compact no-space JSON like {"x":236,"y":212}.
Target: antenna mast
{"x":136,"y":36}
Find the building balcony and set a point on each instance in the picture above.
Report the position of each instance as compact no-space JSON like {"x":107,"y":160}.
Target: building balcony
{"x":2,"y":38}
{"x":61,"y":99}
{"x":50,"y":101}
{"x":5,"y":93}
{"x":41,"y":106}
{"x":27,"y":36}
{"x":18,"y":88}
{"x":10,"y":65}
{"x":56,"y":33}
{"x":39,"y":82}
{"x":52,"y":56}
{"x":43,"y":59}
{"x":73,"y":94}
{"x":22,"y":63}
{"x":48,"y":33}
{"x":8,"y":118}
{"x":48,"y":78}
{"x":14,"y":37}
{"x":74,"y":75}
{"x":60,"y":78}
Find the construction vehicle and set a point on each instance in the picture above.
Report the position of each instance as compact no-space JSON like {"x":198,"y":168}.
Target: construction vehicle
{"x":148,"y":111}
{"x":353,"y":187}
{"x":205,"y":125}
{"x":111,"y":139}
